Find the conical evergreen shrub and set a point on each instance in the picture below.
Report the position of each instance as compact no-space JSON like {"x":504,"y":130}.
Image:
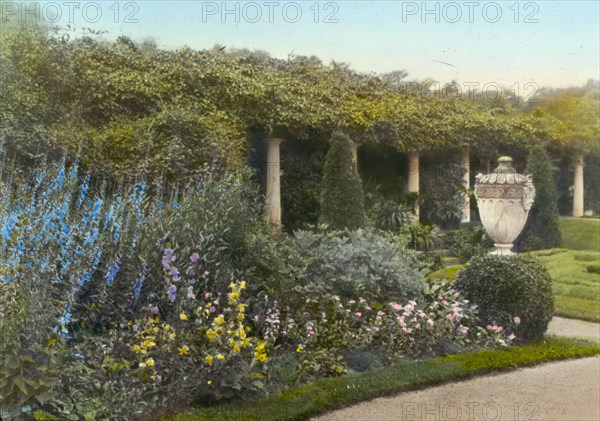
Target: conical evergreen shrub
{"x":542,"y":230}
{"x":342,"y":199}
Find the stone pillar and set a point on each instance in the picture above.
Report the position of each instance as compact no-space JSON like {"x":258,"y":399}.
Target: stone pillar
{"x":413,"y":177}
{"x":466,"y":184}
{"x":355,"y":155}
{"x":578,"y":187}
{"x":273,"y":203}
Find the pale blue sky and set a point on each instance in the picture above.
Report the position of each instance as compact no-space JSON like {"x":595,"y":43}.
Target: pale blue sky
{"x":560,"y":49}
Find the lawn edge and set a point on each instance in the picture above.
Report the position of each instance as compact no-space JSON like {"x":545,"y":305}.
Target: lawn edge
{"x":438,"y":371}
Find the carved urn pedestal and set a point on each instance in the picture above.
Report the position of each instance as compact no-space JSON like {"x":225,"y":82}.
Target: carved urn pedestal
{"x":504,"y":198}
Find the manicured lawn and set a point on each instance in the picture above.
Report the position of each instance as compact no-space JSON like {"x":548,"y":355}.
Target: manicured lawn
{"x":580,"y":233}
{"x":576,"y":282}
{"x":321,"y":396}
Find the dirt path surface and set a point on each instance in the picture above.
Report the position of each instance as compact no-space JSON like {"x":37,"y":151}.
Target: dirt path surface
{"x":574,"y":328}
{"x":560,"y":391}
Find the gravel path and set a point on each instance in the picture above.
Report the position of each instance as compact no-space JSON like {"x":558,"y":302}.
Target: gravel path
{"x":560,"y":391}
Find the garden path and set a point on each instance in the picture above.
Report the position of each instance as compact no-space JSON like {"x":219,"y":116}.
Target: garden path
{"x":559,"y":391}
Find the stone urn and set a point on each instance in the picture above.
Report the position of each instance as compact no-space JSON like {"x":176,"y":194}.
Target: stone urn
{"x":504,"y":198}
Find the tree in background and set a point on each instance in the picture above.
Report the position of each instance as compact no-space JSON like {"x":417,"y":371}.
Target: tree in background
{"x":342,"y":200}
{"x":542,"y":228}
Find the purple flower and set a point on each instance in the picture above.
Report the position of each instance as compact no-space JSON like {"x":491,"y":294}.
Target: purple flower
{"x":154,"y":309}
{"x":195,"y":257}
{"x":190,"y":294}
{"x":175,"y":274}
{"x":172,"y":291}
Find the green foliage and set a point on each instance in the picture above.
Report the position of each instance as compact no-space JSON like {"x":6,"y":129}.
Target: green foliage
{"x":442,"y":194}
{"x":348,"y":264}
{"x":465,"y":242}
{"x":542,"y":230}
{"x":506,"y":287}
{"x":342,"y":198}
{"x":301,"y":183}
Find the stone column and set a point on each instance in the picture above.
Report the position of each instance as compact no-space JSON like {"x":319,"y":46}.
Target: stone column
{"x":466,"y":184}
{"x":355,"y":155}
{"x":273,"y":203}
{"x":413,"y":178}
{"x":578,"y":187}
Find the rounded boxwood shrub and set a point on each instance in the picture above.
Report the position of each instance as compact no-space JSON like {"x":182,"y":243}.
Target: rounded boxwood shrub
{"x":509,"y":287}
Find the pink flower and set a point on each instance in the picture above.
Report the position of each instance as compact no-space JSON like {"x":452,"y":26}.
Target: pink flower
{"x":358,"y":314}
{"x":430,"y":322}
{"x":396,"y":306}
{"x":444,"y":302}
{"x":368,"y":308}
{"x":381,"y":313}
{"x":362,"y":300}
{"x":377,"y":329}
{"x":512,"y":336}
{"x":489,"y":327}
{"x":517,"y":320}
{"x":352,"y":302}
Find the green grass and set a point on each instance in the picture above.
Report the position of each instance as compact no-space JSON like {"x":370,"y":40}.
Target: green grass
{"x":324,"y":395}
{"x":576,"y":288}
{"x":580,"y":233}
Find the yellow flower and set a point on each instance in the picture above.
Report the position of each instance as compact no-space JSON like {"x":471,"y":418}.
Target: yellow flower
{"x":219,"y":320}
{"x":184,"y":350}
{"x":241,"y":307}
{"x":210,"y":334}
{"x":220,"y":357}
{"x":234,"y":345}
{"x":209,"y":382}
{"x":148,"y":343}
{"x":208,"y":360}
{"x":150,"y":362}
{"x":184,"y":316}
{"x":262,"y":357}
{"x":299,"y":349}
{"x":240,"y":316}
{"x":142,"y":365}
{"x":233,"y":296}
{"x":232,"y":285}
{"x":243,"y":285}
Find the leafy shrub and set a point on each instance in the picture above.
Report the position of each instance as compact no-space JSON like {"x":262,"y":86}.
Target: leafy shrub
{"x":342,"y":199}
{"x":362,"y":262}
{"x":442,"y":192}
{"x":514,"y":292}
{"x":542,"y":230}
{"x":465,"y":242}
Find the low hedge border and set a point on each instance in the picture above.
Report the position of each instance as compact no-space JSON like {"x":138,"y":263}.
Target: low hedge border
{"x":325,"y":395}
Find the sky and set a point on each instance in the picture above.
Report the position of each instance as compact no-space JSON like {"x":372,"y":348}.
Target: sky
{"x":521,"y":45}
